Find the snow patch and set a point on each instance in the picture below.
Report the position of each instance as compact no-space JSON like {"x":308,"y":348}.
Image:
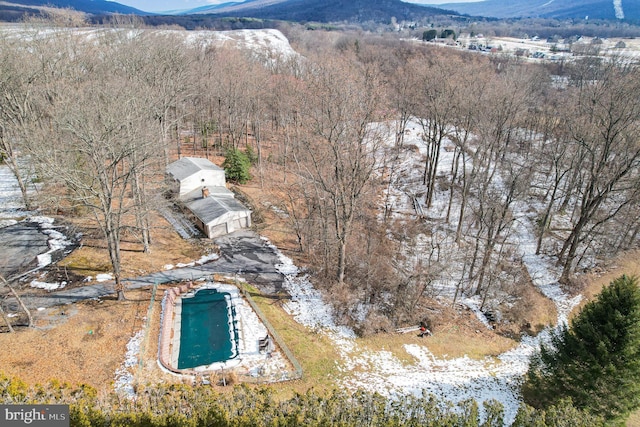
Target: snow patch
{"x":47,"y":286}
{"x":203,"y":260}
{"x":124,"y":375}
{"x":104,"y":277}
{"x":56,"y":241}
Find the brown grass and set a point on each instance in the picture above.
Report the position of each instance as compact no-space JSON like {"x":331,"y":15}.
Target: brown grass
{"x":86,"y":342}
{"x":627,"y":263}
{"x":83,"y":343}
{"x":314,"y":351}
{"x":167,"y":248}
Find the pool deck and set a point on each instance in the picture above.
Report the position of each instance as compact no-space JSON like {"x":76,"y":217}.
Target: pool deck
{"x":177,"y":328}
{"x":250,"y":360}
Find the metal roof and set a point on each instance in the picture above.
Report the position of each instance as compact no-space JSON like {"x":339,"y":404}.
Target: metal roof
{"x":213,"y":191}
{"x":211,"y":208}
{"x":187,"y":166}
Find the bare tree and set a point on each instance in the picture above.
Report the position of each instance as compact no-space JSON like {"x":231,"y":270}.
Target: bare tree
{"x":232,"y":76}
{"x":96,"y":143}
{"x":555,"y":165}
{"x":164,"y":64}
{"x":604,"y":127}
{"x":434,"y":110}
{"x":469,"y":101}
{"x":494,"y":214}
{"x":337,"y":153}
{"x":19,"y":77}
{"x":284,"y":105}
{"x":421,"y":258}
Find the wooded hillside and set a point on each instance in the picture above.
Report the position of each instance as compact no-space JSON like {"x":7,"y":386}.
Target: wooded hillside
{"x":97,"y":118}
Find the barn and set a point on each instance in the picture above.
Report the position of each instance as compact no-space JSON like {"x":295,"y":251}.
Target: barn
{"x":200,"y":186}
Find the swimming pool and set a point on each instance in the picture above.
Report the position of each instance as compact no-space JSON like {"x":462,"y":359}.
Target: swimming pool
{"x":207,"y":329}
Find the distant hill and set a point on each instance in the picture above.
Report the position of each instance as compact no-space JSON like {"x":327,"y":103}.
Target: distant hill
{"x":95,"y":7}
{"x":326,"y":10}
{"x":628,"y":10}
{"x":341,"y":11}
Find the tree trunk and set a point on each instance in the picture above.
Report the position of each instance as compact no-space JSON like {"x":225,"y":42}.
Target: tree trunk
{"x":20,"y":302}
{"x":547,"y":217}
{"x":6,"y":320}
{"x":454,"y":176}
{"x":342,"y":260}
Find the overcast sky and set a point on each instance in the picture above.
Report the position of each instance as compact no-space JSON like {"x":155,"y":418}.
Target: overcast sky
{"x":167,"y":5}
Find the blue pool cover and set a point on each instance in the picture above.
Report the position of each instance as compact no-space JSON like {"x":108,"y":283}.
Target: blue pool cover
{"x":207,"y":331}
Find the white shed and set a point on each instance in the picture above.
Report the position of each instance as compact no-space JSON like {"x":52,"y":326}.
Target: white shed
{"x":194,"y":173}
{"x":201,"y":188}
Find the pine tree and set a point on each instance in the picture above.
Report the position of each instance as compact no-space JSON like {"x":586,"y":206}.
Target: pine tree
{"x":236,"y":166}
{"x":595,"y":362}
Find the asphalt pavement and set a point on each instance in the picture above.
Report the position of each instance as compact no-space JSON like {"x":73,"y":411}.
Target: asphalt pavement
{"x":21,"y":244}
{"x":242,"y":253}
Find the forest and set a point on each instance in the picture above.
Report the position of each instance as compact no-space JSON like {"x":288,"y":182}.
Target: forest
{"x":97,"y":117}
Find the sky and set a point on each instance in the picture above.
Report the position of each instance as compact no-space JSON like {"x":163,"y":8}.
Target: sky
{"x":168,"y":5}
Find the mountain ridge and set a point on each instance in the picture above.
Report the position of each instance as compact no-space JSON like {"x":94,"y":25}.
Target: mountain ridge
{"x":87,"y":6}
{"x":566,"y":9}
{"x":327,"y":10}
{"x":353,"y":11}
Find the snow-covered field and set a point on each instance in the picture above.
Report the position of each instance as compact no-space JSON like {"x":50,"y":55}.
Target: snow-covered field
{"x":454,"y":379}
{"x":534,"y":49}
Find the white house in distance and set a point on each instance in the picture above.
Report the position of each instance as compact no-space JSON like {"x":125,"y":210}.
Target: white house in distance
{"x":201,"y":188}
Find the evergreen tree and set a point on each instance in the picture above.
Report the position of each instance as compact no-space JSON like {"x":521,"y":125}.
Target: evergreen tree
{"x":236,"y":166}
{"x":429,"y":35}
{"x":596,"y":362}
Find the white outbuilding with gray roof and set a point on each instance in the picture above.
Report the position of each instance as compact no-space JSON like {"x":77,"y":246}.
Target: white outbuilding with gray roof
{"x":201,"y":188}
